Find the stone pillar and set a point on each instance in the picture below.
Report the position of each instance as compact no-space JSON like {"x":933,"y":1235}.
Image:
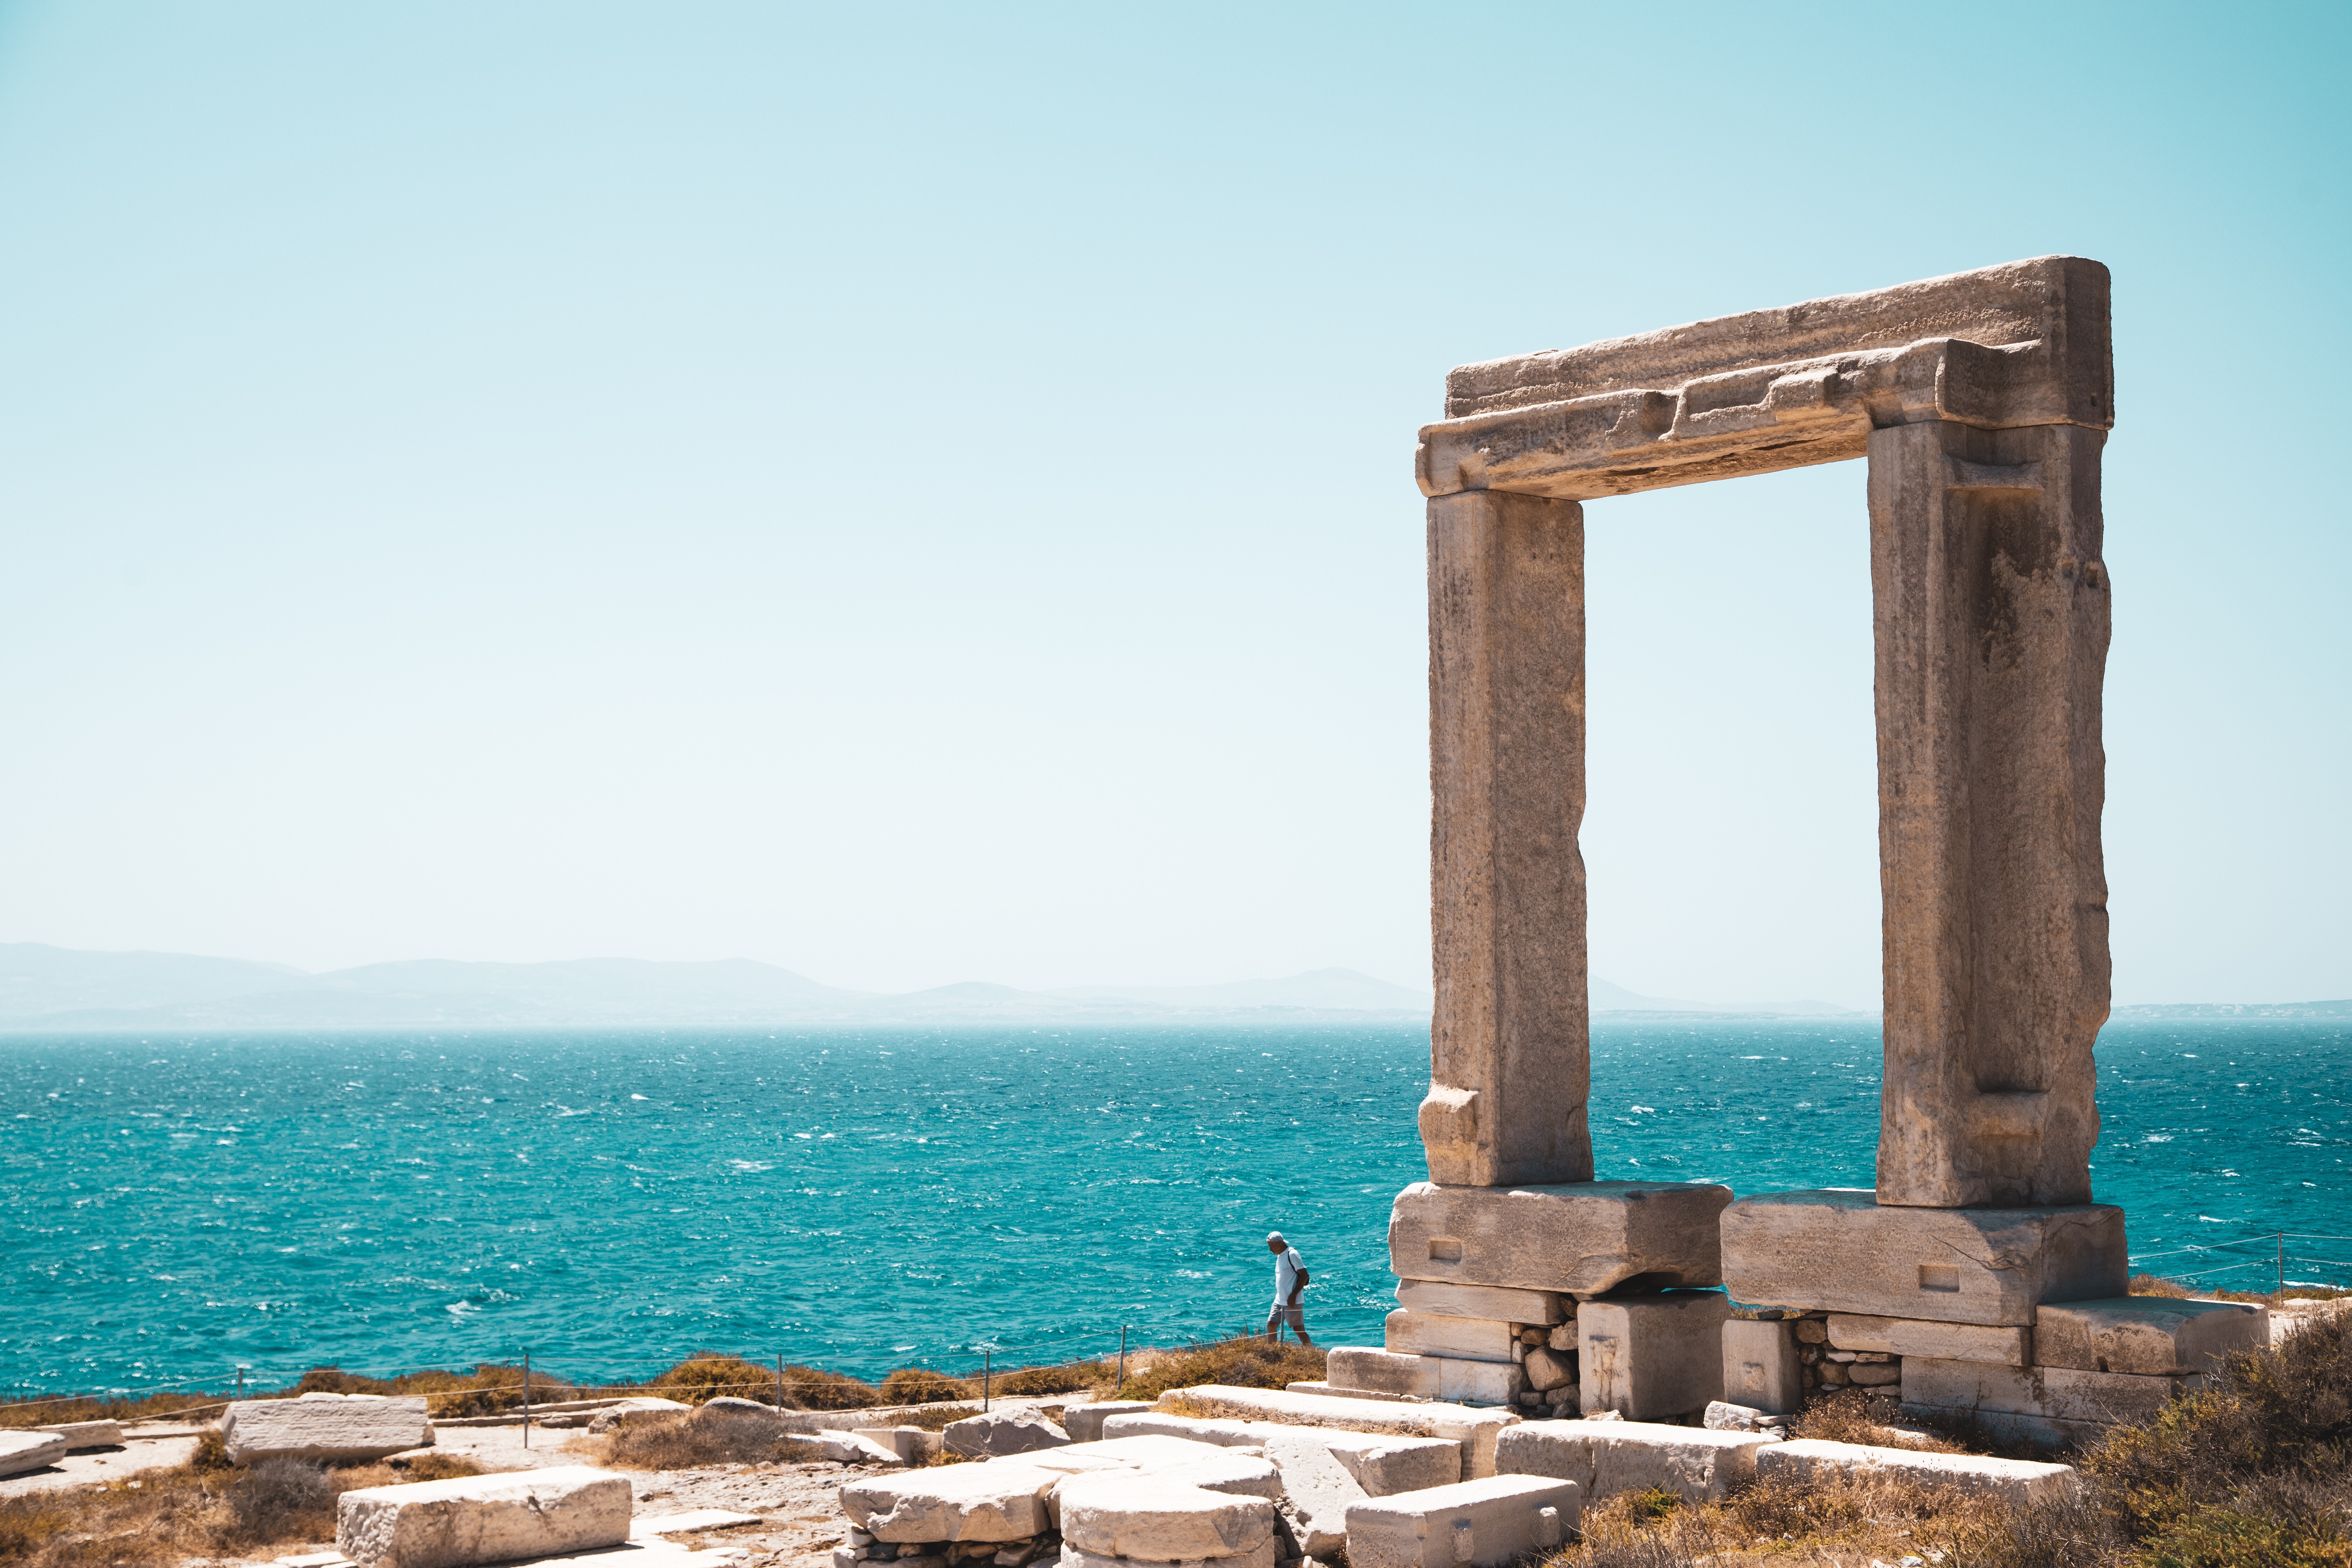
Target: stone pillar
{"x":1991,"y":630}
{"x":1509,"y":1050}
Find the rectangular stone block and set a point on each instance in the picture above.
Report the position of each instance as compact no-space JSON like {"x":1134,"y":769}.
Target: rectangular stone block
{"x":1425,"y":1376}
{"x":1153,"y":1519}
{"x":1580,"y":1237}
{"x":2026,"y":343}
{"x":1470,"y":1525}
{"x":1158,"y":1423}
{"x":1325,"y":1472}
{"x":1508,"y":1045}
{"x":1001,"y":1499}
{"x":2018,"y":1482}
{"x":2146,"y":1334}
{"x":22,"y":1451}
{"x":1266,"y":1556}
{"x":1839,"y":1248}
{"x":2058,"y":1393}
{"x":2008,"y":1346}
{"x":1084,"y":1421}
{"x":325,"y":1426}
{"x":1466,"y":1339}
{"x":1760,"y":1369}
{"x":1473,"y":1430}
{"x":1645,"y":1356}
{"x":1496,"y":1301}
{"x":80,"y":1435}
{"x":483,"y":1518}
{"x":1605,"y":1457}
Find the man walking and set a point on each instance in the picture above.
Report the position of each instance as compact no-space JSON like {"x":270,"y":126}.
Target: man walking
{"x":1290,"y":1278}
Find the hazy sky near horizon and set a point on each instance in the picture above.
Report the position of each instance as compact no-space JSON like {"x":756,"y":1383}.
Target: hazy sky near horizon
{"x":921,"y":494}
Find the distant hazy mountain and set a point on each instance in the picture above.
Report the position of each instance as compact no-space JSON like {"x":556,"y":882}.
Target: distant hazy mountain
{"x":2157,"y":1011}
{"x":45,"y":987}
{"x":1608,"y":998}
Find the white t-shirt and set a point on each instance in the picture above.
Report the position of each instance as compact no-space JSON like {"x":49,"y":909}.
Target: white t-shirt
{"x":1286,"y":1276}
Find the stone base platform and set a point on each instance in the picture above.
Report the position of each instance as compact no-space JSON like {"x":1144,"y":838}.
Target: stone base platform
{"x":1841,"y":1249}
{"x":1578,"y":1239}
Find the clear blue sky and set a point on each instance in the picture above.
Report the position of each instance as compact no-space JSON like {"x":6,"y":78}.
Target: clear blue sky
{"x":925,"y":494}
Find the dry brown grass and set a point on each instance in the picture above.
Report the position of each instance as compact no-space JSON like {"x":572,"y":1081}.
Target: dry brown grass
{"x":160,"y":1517}
{"x":666,"y":1441}
{"x":1247,"y":1361}
{"x":921,"y":1386}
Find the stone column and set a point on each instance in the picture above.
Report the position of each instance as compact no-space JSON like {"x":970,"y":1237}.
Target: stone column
{"x":1509,"y":1053}
{"x":1991,"y":630}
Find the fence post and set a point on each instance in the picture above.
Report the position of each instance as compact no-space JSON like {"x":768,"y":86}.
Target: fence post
{"x":1121,"y":1384}
{"x":779,"y":1383}
{"x":2282,"y":1262}
{"x":240,"y":1380}
{"x":986,"y":1359}
{"x":526,"y":1399}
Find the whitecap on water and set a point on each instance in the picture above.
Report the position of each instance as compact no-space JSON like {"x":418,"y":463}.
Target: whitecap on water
{"x":750,"y":1166}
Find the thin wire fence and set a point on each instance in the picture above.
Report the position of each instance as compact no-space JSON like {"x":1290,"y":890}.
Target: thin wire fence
{"x":2248,"y":1258}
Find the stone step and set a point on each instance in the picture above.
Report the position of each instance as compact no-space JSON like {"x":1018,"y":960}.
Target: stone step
{"x":1470,"y":1525}
{"x":1474,"y":1431}
{"x":1605,"y":1457}
{"x":2017,"y":1481}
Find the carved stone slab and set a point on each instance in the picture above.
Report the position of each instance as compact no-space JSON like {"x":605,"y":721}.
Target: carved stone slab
{"x":2022,"y":344}
{"x":1839,"y":1249}
{"x":1580,"y":1237}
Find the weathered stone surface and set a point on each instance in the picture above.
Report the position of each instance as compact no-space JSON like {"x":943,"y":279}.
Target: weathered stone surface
{"x":1991,"y":610}
{"x":1645,"y":1356}
{"x":1160,"y":1520}
{"x":1317,"y":1488}
{"x":81,"y":1434}
{"x":1466,"y":1525}
{"x":999,"y":1500}
{"x":483,"y":1518}
{"x":1509,"y":1053}
{"x":1320,"y":1385}
{"x":1761,"y":1367}
{"x":1545,"y":1370}
{"x":2009,"y":1345}
{"x":2016,"y":1481}
{"x":1583,"y":1236}
{"x":856,"y":1448}
{"x":1465,"y":1339}
{"x":1157,"y":1422}
{"x":1605,"y":1457}
{"x":1495,"y":1301}
{"x":324,"y":1426}
{"x":1962,"y":1388}
{"x":1384,"y":1464}
{"x":911,"y":1444}
{"x":1423,"y":1376}
{"x":1150,"y":1452}
{"x":2146,"y":1334}
{"x":1722,"y":1417}
{"x":1084,"y":1421}
{"x":22,"y":1451}
{"x":2020,"y":344}
{"x":1266,"y":1557}
{"x":1473,"y":1430}
{"x":999,"y":1433}
{"x":1841,"y":1249}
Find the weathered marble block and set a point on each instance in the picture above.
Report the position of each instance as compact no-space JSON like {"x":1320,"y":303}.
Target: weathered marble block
{"x":2010,"y":1346}
{"x":1760,"y":1369}
{"x":470,"y":1520}
{"x":1470,"y":1525}
{"x":2146,"y":1334}
{"x":329,"y":1426}
{"x":1466,"y":1339}
{"x":1425,"y":1376}
{"x":22,"y":1451}
{"x":1217,"y":1404}
{"x":1645,"y":1356}
{"x":1001,"y":1499}
{"x":2058,"y":1393}
{"x":1580,"y":1237}
{"x":1159,"y":1519}
{"x":1605,"y":1457}
{"x":1839,"y":1249}
{"x":1495,"y":1301}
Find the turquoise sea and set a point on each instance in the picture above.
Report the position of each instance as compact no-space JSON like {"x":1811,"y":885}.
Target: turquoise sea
{"x":865,"y":1199}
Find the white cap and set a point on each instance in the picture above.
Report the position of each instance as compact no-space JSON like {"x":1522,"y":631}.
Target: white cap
{"x":1274,"y":1235}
